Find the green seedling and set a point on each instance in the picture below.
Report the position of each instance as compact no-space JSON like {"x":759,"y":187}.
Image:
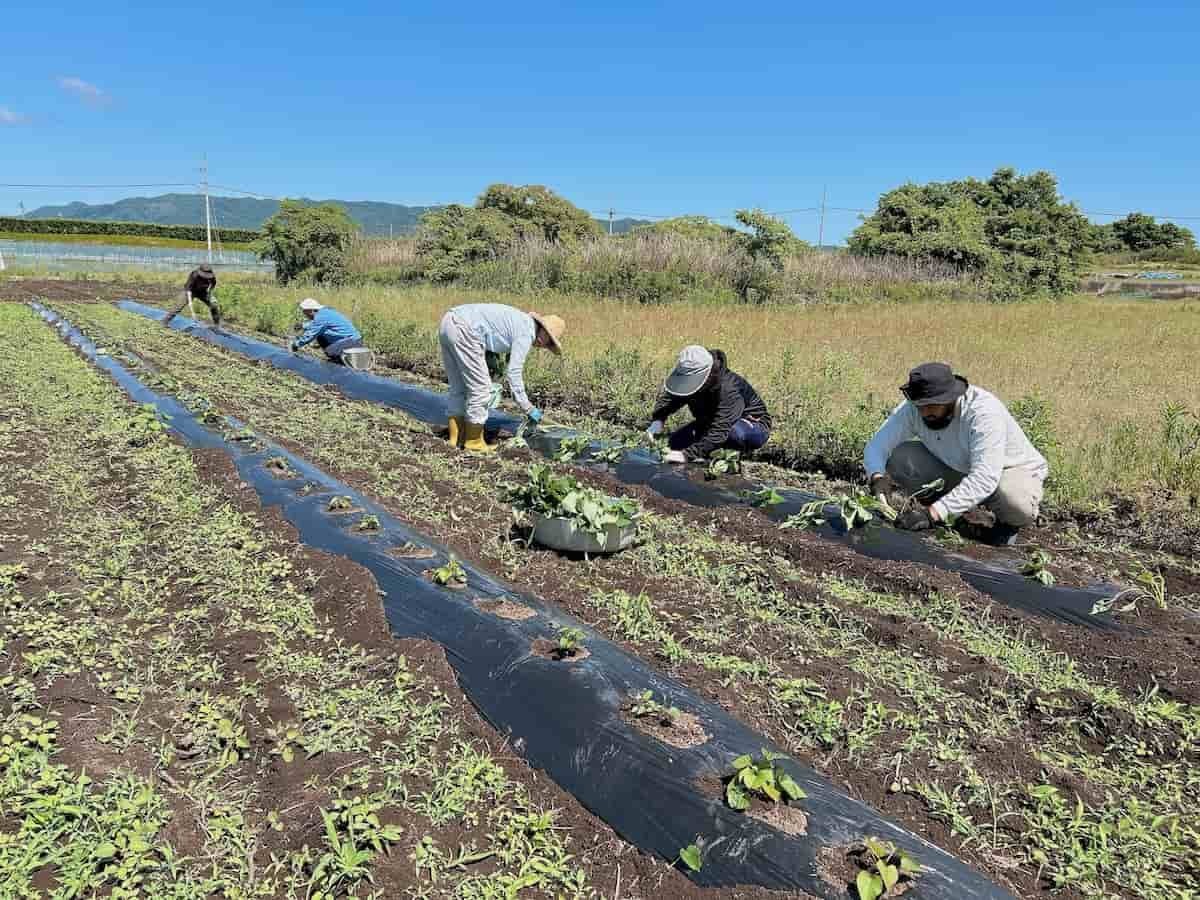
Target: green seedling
{"x":572,"y":448}
{"x":340,"y":504}
{"x":563,"y":497}
{"x":1036,"y":567}
{"x":810,"y":515}
{"x":1153,"y":585}
{"x":768,"y":496}
{"x":760,"y":778}
{"x":888,"y":870}
{"x":452,"y":574}
{"x":690,"y":857}
{"x":279,"y":466}
{"x":611,"y":455}
{"x":723,"y":462}
{"x":646,"y":707}
{"x":947,"y":536}
{"x":570,"y":641}
{"x":367,"y":523}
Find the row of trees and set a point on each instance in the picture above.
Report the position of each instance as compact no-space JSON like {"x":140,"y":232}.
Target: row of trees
{"x":1013,"y":233}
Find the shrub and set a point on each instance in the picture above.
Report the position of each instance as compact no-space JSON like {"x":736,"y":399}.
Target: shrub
{"x":145,"y":229}
{"x":556,"y":218}
{"x":453,"y":238}
{"x":310,"y":243}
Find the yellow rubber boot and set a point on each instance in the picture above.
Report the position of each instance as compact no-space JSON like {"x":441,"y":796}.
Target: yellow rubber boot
{"x":475,"y":439}
{"x":456,"y":431}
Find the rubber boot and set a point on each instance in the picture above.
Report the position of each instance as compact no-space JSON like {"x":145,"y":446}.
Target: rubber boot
{"x":456,"y":431}
{"x":475,"y":439}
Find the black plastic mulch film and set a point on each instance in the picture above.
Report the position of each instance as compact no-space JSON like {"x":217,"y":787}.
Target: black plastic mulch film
{"x":1005,"y":584}
{"x":565,"y":717}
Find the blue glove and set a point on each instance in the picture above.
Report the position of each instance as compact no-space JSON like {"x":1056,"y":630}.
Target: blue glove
{"x":292,"y":346}
{"x":535,"y":415}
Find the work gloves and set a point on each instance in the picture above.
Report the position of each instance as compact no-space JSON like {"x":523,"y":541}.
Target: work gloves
{"x":535,"y":416}
{"x":915,"y":518}
{"x":655,"y":429}
{"x":674,"y":456}
{"x":883,"y":486}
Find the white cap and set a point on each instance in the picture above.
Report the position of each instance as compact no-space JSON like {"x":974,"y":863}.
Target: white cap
{"x":309,"y":303}
{"x":691,"y":371}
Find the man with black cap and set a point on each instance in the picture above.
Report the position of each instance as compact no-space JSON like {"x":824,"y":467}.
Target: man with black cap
{"x":728,"y":411}
{"x":200,"y":285}
{"x":966,"y":437}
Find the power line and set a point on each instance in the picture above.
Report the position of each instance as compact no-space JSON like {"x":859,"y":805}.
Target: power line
{"x":159,"y":184}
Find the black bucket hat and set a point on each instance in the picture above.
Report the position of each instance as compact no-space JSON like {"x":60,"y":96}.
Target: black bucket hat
{"x":931,"y":383}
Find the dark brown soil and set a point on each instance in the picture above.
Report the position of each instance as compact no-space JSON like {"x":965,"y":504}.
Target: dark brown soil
{"x":683,"y":732}
{"x":75,"y":290}
{"x":548,"y":649}
{"x":506,"y":609}
{"x":412,"y":551}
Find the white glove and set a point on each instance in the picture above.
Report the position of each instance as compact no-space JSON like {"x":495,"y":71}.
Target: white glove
{"x":655,"y":429}
{"x":674,"y":456}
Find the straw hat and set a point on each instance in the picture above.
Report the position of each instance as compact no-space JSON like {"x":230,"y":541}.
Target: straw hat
{"x":308,"y":303}
{"x":553,"y":326}
{"x":691,"y":371}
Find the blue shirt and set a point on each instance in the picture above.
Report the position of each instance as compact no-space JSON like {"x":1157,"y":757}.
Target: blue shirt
{"x":326,"y":327}
{"x":503,"y":329}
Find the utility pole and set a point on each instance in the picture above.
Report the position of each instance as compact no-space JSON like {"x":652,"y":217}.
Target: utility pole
{"x":610,"y":215}
{"x":207,"y":207}
{"x":821,"y":227}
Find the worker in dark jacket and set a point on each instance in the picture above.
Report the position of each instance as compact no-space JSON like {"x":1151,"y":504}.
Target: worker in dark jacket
{"x":728,"y":411}
{"x":200,"y":285}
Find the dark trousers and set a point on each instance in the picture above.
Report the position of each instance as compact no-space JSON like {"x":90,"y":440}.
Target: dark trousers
{"x":335,"y":350}
{"x":210,"y":302}
{"x":745,"y":435}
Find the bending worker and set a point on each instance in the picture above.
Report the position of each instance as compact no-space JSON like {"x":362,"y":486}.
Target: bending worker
{"x":993,"y":475}
{"x":201,"y":282}
{"x":728,"y":411}
{"x":468,"y":335}
{"x":332,"y":331}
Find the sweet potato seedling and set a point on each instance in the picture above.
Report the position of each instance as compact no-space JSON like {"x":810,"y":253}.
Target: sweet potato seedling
{"x":690,"y":857}
{"x":572,"y":448}
{"x":646,"y":707}
{"x":570,"y":641}
{"x":723,"y":462}
{"x":1036,"y":567}
{"x":367,"y":523}
{"x":452,"y":574}
{"x":340,"y":503}
{"x":768,"y":496}
{"x":886,"y":869}
{"x":760,"y":778}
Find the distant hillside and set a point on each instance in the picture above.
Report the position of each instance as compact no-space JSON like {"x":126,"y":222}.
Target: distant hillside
{"x":374,"y":218}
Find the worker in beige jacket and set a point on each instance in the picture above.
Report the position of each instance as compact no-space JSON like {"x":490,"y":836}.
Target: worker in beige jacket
{"x":952,"y":430}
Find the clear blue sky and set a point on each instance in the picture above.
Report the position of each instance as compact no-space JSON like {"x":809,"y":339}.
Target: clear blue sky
{"x":651,"y":108}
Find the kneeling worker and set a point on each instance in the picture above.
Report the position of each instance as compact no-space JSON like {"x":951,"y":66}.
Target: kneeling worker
{"x":468,"y":334}
{"x":728,"y":411}
{"x":329,"y":328}
{"x":967,"y":437}
{"x":201,"y":283}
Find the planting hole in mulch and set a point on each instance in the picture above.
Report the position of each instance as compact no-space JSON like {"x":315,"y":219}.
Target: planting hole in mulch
{"x":788,"y":818}
{"x":452,"y":585}
{"x":505,"y":609}
{"x":683,"y":731}
{"x":280,"y":468}
{"x":410,"y":550}
{"x":549,"y":650}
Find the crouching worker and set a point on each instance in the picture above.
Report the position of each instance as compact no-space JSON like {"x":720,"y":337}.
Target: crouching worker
{"x":333,"y":332}
{"x":993,"y":476}
{"x":727,"y":410}
{"x":200,"y":285}
{"x":468,"y":335}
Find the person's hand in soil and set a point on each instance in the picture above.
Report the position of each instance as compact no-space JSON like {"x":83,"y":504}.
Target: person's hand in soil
{"x":916,"y":518}
{"x":883,"y":486}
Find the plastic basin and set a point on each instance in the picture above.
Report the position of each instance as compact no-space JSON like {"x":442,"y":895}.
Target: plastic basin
{"x":359,"y":358}
{"x":564,"y":534}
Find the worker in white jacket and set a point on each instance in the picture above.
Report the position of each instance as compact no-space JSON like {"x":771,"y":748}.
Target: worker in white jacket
{"x":966,"y":437}
{"x":467,"y":335}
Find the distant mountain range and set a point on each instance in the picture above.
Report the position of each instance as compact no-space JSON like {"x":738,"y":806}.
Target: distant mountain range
{"x":374,"y":218}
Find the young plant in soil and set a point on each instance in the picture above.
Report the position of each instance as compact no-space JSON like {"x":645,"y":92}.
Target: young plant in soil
{"x":723,"y":462}
{"x":1036,"y":567}
{"x":570,"y":642}
{"x":768,"y":496}
{"x":367,"y":523}
{"x":563,"y":497}
{"x":690,"y":857}
{"x":887,"y":870}
{"x":572,"y":448}
{"x":646,"y":707}
{"x":341,"y":503}
{"x":278,"y":465}
{"x":760,"y":778}
{"x":451,"y":575}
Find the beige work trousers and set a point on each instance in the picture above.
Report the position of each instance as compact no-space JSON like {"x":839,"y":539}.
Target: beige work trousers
{"x":1017,"y":498}
{"x":465,"y":362}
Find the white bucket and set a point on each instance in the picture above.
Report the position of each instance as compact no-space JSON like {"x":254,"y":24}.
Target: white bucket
{"x":564,"y":534}
{"x":359,"y":358}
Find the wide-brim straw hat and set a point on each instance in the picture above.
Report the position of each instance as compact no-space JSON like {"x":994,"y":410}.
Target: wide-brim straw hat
{"x":308,"y":303}
{"x":691,"y":371}
{"x":553,"y":326}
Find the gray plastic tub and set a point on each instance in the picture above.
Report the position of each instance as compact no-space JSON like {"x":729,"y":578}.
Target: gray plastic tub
{"x":564,"y":534}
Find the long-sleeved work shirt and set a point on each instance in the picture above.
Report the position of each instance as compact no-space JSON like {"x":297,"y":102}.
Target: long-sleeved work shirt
{"x":199,"y":284}
{"x":503,"y":329}
{"x":326,"y":327}
{"x":981,"y":441}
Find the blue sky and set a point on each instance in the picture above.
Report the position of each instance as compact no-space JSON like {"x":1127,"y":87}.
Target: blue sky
{"x":651,"y":108}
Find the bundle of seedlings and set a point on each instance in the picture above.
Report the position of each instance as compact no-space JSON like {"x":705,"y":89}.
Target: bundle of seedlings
{"x":568,"y":515}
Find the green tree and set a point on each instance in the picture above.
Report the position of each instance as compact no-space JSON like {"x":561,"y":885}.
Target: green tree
{"x":1138,"y":232}
{"x":695,"y":227}
{"x":307,"y":243}
{"x":770,"y":239}
{"x":450,"y":239}
{"x":556,"y":218}
{"x":1014,"y":231}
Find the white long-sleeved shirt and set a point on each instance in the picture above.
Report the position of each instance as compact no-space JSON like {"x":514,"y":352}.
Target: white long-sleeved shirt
{"x":981,"y":441}
{"x":503,"y":329}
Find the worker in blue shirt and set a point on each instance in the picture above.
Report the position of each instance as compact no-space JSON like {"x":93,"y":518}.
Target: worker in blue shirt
{"x":329,"y":328}
{"x":470,"y":332}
